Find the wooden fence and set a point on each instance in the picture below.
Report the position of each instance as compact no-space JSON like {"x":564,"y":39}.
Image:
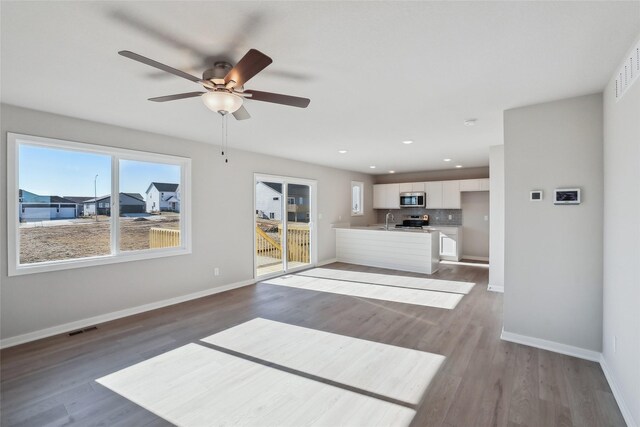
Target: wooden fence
{"x":297,"y":243}
{"x":163,"y":238}
{"x":266,"y":246}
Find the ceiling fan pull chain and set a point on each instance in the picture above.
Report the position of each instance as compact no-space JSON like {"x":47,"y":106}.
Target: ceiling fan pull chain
{"x":226,"y":138}
{"x":223,"y":136}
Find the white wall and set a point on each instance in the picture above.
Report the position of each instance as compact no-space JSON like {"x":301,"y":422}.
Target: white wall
{"x":475,"y":228}
{"x":553,"y":254}
{"x":496,"y":218}
{"x":621,"y":309}
{"x":222,"y":227}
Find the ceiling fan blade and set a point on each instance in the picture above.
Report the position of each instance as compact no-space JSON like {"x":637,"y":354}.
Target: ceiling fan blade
{"x":177,"y":96}
{"x":277,"y":98}
{"x":241,"y":114}
{"x":251,"y":64}
{"x":158,"y":65}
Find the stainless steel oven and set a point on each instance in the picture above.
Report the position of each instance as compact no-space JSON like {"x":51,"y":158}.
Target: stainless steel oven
{"x":412,"y":200}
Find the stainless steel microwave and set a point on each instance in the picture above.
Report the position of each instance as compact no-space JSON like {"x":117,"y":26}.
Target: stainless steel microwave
{"x":412,"y":200}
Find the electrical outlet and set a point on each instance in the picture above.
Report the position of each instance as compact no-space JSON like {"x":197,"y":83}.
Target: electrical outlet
{"x":216,"y":271}
{"x":486,"y":217}
{"x":450,"y":216}
{"x":615,"y":344}
{"x":339,"y":217}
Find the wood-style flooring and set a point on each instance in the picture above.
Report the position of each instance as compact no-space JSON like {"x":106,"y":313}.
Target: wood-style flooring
{"x":483,"y":381}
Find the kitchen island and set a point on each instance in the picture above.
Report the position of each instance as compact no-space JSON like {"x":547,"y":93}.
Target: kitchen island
{"x":415,"y":250}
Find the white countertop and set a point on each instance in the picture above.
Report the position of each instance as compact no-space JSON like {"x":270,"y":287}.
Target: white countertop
{"x":391,"y":228}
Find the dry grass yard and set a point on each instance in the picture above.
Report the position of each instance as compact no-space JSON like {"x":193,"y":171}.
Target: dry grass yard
{"x":87,"y":238}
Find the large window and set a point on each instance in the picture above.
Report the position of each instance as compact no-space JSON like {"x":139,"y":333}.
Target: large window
{"x":73,"y":204}
{"x":357,"y":198}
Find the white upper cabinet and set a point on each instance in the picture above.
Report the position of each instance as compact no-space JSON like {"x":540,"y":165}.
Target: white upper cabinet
{"x":451,"y":194}
{"x":411,"y":187}
{"x":474,"y":184}
{"x":434,"y":194}
{"x":386,"y":196}
{"x":417,"y":186}
{"x":443,"y":194}
{"x":470,"y":185}
{"x":406,"y":187}
{"x":440,"y":194}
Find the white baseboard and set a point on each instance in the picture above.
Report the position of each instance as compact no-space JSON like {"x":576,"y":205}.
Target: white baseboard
{"x":626,"y":413}
{"x":495,"y":288}
{"x":327,"y":261}
{"x":83,"y":323}
{"x":556,"y":347}
{"x":475,"y":258}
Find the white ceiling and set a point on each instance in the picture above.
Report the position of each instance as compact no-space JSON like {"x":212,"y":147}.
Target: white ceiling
{"x":377,"y":73}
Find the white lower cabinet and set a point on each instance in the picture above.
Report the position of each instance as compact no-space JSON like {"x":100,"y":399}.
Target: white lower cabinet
{"x":450,"y":243}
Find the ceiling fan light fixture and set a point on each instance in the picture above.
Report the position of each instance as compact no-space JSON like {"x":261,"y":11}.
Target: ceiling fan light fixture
{"x":222,"y":102}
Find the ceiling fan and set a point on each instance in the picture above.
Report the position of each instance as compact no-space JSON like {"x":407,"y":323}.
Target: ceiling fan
{"x":224,"y":84}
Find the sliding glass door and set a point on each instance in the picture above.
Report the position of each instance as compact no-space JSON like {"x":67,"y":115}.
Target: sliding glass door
{"x":284,"y":235}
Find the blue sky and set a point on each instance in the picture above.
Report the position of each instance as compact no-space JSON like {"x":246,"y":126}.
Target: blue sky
{"x":53,"y":172}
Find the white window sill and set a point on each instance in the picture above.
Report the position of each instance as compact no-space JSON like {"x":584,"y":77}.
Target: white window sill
{"x":43,"y":267}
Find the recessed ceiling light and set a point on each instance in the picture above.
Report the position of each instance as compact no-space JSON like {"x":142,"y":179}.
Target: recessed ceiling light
{"x":458,"y":166}
{"x":407,"y":142}
{"x":446,"y":160}
{"x":470,"y":122}
{"x":372,"y":167}
{"x":392,"y":171}
{"x":342,"y":151}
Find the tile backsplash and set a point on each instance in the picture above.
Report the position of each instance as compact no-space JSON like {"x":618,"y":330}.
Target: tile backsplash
{"x":436,"y":216}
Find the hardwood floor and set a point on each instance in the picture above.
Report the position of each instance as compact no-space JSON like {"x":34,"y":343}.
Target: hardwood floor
{"x":483,"y":381}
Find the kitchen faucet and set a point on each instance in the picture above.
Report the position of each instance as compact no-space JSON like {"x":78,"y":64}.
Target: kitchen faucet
{"x":386,"y":220}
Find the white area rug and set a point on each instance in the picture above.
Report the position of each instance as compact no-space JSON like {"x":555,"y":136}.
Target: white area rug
{"x":197,"y":386}
{"x":396,"y":372}
{"x":367,"y":290}
{"x":391,"y":280}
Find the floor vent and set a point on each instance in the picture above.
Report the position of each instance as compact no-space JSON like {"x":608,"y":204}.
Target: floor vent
{"x":628,"y":72}
{"x":80,"y":331}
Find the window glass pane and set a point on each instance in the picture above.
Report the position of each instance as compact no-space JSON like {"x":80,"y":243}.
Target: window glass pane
{"x":149,"y":205}
{"x":356,"y":197}
{"x":57,"y":192}
{"x":298,"y":230}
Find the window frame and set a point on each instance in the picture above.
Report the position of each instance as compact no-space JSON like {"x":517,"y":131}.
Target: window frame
{"x":360,"y":185}
{"x":14,"y":140}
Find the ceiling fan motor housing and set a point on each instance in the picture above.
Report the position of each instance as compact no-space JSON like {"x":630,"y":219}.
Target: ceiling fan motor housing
{"x":218,"y":72}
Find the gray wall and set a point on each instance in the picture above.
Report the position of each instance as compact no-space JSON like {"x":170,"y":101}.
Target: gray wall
{"x":438,"y":175}
{"x":475,"y":229}
{"x":222,"y":221}
{"x":553,"y":254}
{"x":622,"y":242}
